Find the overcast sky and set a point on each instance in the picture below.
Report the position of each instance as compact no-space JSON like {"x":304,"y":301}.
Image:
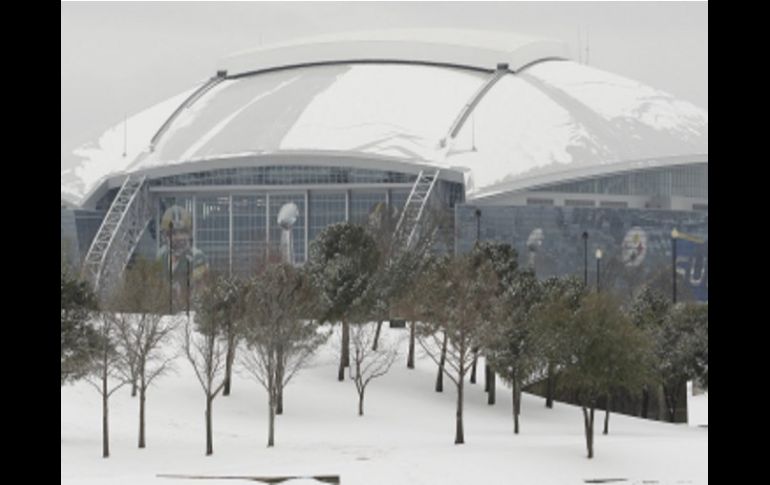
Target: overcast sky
{"x":119,"y":58}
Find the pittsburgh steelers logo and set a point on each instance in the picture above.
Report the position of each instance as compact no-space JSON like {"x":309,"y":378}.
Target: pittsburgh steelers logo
{"x":634,"y":247}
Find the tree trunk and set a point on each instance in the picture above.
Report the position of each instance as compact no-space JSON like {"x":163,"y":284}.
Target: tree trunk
{"x":459,"y":435}
{"x":209,"y":431}
{"x":346,"y":343}
{"x":492,"y":388}
{"x":551,"y":384}
{"x":473,"y":366}
{"x":410,"y":356}
{"x":229,"y":358}
{"x":341,"y":371}
{"x":105,"y":422}
{"x":671,"y":401}
{"x":607,"y":415}
{"x":279,"y":382}
{"x":588,"y":421}
{"x":516,"y":405}
{"x":271,"y":419}
{"x":134,"y":387}
{"x":361,"y":403}
{"x":442,"y":360}
{"x":142,"y":398}
{"x":645,"y":402}
{"x":377,"y":335}
{"x":345,"y":353}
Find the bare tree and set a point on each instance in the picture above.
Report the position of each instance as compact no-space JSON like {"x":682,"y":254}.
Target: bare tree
{"x":278,"y":340}
{"x":107,"y":371}
{"x":453,"y":291}
{"x":142,"y":330}
{"x":369,"y":363}
{"x":206,"y":351}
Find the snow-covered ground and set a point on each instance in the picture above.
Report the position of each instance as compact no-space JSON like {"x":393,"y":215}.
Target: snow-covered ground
{"x":405,"y":437}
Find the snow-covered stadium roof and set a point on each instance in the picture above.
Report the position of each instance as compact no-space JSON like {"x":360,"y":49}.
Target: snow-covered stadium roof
{"x":543,"y":119}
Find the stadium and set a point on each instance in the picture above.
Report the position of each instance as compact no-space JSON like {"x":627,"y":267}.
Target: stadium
{"x":506,"y":133}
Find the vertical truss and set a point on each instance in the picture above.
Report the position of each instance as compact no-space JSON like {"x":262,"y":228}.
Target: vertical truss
{"x":119,"y":234}
{"x":412,"y":214}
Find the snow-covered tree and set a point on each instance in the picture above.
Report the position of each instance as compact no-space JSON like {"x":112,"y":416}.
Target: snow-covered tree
{"x":279,"y":341}
{"x":137,"y":308}
{"x":343,"y":261}
{"x":369,"y":363}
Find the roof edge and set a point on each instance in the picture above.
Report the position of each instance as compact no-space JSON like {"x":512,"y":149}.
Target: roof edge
{"x":459,"y":48}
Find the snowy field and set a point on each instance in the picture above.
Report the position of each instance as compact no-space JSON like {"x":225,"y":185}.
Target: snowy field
{"x":405,"y":437}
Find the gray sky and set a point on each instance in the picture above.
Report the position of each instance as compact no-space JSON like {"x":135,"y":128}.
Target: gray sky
{"x":119,"y":58}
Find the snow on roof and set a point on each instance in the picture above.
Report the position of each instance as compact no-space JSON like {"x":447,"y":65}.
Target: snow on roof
{"x":471,"y":48}
{"x":558,"y":118}
{"x":106,"y":156}
{"x":399,"y":111}
{"x":554,"y":119}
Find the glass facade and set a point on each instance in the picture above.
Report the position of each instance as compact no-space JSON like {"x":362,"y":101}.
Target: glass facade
{"x":221,"y":225}
{"x":249,"y":232}
{"x":684,"y":181}
{"x":284,"y":175}
{"x":398,"y":198}
{"x":325,"y":209}
{"x":212,"y":231}
{"x":363,"y":203}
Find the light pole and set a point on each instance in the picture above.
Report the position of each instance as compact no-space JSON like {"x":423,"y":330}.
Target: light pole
{"x":585,"y":261}
{"x":189,"y":263}
{"x":598,"y":261}
{"x":674,"y":237}
{"x":478,"y":224}
{"x":171,"y":266}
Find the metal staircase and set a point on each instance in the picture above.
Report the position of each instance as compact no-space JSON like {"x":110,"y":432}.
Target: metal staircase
{"x":414,"y":208}
{"x":119,"y":234}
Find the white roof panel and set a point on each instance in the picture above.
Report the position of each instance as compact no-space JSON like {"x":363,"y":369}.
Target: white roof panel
{"x":554,"y":119}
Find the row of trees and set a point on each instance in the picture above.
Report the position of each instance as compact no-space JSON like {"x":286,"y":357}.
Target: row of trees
{"x":531,"y":330}
{"x":460,"y":306}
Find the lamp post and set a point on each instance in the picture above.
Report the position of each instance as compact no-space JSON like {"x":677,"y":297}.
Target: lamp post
{"x":674,"y":237}
{"x":170,"y":266}
{"x":476,"y":350}
{"x":585,"y":259}
{"x":598,"y":261}
{"x":189,"y":263}
{"x":478,"y":224}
